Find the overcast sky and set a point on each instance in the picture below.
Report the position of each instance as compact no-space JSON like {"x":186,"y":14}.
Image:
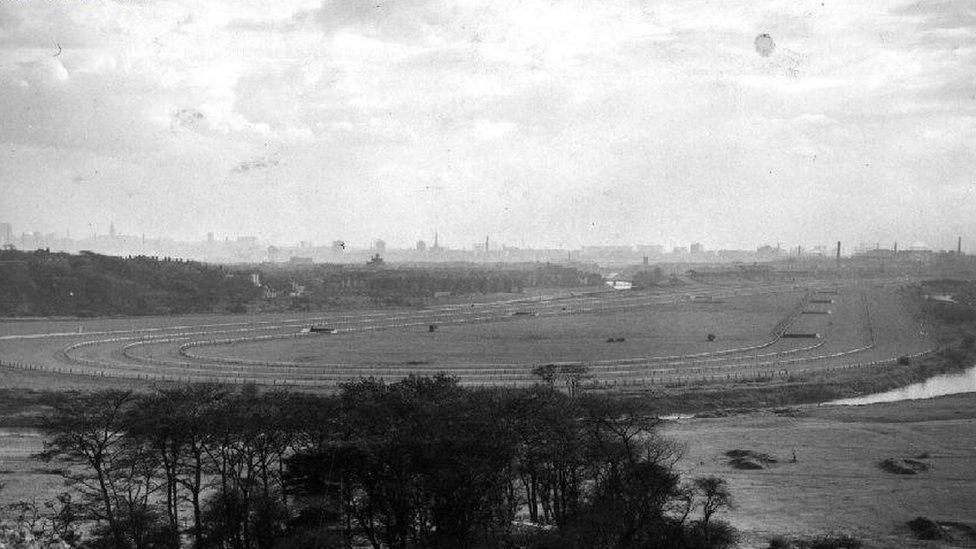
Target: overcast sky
{"x":539,"y":122}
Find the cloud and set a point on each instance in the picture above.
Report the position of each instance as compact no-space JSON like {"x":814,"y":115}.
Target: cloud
{"x":519,"y":116}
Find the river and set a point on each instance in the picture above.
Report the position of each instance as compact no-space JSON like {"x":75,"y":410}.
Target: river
{"x":946,"y":384}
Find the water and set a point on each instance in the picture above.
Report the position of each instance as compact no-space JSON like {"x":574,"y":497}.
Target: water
{"x":947,"y":384}
{"x":676,"y":417}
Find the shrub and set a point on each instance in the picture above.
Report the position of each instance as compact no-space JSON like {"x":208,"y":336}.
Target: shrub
{"x":924,"y":528}
{"x":903,"y":466}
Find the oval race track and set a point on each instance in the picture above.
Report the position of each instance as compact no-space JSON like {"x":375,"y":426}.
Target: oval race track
{"x":866,"y":326}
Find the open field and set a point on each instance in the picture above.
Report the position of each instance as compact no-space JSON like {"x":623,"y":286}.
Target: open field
{"x":836,"y":484}
{"x":659,"y":338}
{"x":667,"y":329}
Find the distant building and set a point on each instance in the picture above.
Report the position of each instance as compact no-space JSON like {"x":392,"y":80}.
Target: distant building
{"x":6,"y":233}
{"x":650,"y":249}
{"x":210,"y":237}
{"x":338,"y":246}
{"x":606,"y":250}
{"x":697,"y":248}
{"x":379,"y":246}
{"x":421,"y":246}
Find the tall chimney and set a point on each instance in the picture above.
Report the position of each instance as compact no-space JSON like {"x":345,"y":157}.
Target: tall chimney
{"x":838,"y":253}
{"x":486,"y":243}
{"x":896,"y":247}
{"x":959,"y":246}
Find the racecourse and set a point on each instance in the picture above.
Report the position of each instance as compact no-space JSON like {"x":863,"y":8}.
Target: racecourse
{"x":623,"y":339}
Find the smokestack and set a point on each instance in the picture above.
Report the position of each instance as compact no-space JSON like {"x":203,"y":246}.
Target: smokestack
{"x":896,"y":247}
{"x":838,"y":253}
{"x":959,"y":246}
{"x":486,"y":244}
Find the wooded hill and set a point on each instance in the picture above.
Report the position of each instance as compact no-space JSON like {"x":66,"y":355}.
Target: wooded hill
{"x":42,"y":283}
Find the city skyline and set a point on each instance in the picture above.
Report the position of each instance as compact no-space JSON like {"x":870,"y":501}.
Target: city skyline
{"x":130,"y":244}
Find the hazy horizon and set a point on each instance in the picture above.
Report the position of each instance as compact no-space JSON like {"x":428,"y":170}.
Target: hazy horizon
{"x":544,"y":124}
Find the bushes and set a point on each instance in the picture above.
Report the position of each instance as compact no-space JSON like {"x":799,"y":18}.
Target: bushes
{"x":422,"y":462}
{"x":924,"y":528}
{"x":44,"y":284}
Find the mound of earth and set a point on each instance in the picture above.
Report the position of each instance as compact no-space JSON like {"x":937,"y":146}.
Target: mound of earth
{"x":749,"y":459}
{"x":924,"y":528}
{"x":903,"y":466}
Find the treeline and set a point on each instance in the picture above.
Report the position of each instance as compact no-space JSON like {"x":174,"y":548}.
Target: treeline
{"x":648,"y":278}
{"x":41,"y":283}
{"x":418,"y":463}
{"x":312,"y":287}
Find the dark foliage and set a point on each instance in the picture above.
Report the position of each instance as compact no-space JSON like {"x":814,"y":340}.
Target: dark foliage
{"x":925,"y":528}
{"x":43,"y":284}
{"x":418,"y":463}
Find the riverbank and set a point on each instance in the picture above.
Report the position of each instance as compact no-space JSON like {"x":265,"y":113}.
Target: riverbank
{"x":809,"y":388}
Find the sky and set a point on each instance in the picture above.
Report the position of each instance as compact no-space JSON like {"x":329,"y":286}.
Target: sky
{"x":540,"y":123}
